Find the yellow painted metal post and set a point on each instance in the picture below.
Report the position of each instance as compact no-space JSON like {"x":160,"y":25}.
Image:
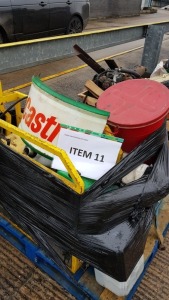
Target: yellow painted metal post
{"x":77,"y":184}
{"x":0,"y":89}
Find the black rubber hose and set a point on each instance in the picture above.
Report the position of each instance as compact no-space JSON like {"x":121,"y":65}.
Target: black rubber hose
{"x":11,"y":106}
{"x":129,"y":72}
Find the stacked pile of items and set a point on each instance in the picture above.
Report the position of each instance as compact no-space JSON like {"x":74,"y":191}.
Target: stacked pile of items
{"x":72,"y":126}
{"x":106,"y":225}
{"x":104,"y":78}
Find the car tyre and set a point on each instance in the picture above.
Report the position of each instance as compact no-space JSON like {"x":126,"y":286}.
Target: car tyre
{"x":75,"y":26}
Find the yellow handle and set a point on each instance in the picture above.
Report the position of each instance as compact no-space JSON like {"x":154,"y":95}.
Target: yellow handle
{"x":77,"y":184}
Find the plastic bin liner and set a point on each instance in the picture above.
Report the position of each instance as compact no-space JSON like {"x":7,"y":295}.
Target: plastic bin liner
{"x":105,"y":227}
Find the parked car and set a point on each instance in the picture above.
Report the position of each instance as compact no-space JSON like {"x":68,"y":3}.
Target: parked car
{"x":28,"y":19}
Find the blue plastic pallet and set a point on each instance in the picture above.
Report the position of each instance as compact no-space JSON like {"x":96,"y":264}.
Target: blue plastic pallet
{"x":74,"y":285}
{"x":81,"y":289}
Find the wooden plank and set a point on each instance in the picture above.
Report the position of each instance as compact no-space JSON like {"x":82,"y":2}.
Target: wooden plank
{"x":88,"y":99}
{"x":83,"y":95}
{"x":167,"y":125}
{"x":91,"y":101}
{"x":93,"y":88}
{"x":107,"y":295}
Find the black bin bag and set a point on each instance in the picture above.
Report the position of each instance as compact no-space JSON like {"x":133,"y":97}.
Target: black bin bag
{"x":104,"y":227}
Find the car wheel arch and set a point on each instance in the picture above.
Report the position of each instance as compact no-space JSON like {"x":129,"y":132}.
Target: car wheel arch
{"x":80,"y":17}
{"x":75,"y":16}
{"x":3,"y":34}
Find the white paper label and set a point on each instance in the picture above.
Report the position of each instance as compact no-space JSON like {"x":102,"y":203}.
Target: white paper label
{"x":92,"y":156}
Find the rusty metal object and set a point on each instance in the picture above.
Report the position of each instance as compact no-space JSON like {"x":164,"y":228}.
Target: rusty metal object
{"x":140,"y":70}
{"x":111,"y":64}
{"x":110,"y":77}
{"x":105,"y":78}
{"x":88,"y":59}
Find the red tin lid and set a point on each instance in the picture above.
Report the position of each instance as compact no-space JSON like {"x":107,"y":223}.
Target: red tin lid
{"x":135,"y":103}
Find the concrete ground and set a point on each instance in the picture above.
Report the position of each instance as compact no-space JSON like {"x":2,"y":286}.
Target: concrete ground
{"x":146,"y":16}
{"x":20,"y":279}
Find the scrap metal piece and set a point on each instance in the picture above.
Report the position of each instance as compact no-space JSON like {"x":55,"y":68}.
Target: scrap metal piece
{"x":111,"y":64}
{"x":88,"y":59}
{"x":140,"y":70}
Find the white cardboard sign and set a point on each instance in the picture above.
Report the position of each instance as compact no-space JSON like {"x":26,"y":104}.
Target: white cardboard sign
{"x":92,"y":156}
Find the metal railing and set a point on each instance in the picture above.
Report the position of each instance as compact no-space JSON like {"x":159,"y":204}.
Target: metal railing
{"x":19,"y":55}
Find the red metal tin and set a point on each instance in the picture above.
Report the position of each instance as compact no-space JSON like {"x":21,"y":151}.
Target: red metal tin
{"x":137,"y":108}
